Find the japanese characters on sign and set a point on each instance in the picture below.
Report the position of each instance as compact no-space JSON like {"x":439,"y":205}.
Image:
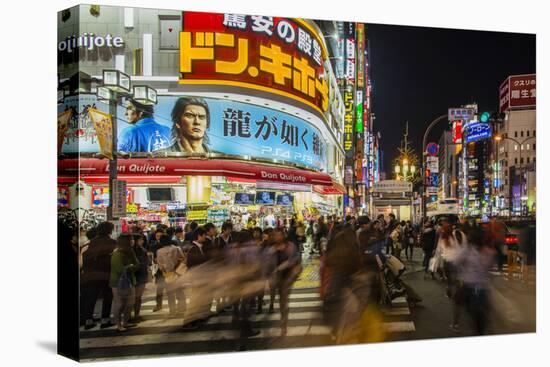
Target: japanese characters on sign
{"x":432,"y":164}
{"x":518,"y":91}
{"x":360,"y":55}
{"x":348,"y":123}
{"x":280,"y":55}
{"x":119,"y":198}
{"x":392,"y":186}
{"x":477,"y":131}
{"x":461,"y":113}
{"x":235,"y":128}
{"x":349,"y":34}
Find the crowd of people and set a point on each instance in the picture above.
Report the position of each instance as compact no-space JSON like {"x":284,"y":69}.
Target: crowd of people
{"x":205,"y":270}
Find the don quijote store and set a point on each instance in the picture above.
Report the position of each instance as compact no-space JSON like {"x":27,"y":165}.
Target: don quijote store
{"x":246,"y":124}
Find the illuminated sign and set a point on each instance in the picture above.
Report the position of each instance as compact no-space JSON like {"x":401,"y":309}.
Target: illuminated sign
{"x":457,"y":131}
{"x":233,"y":128}
{"x":359,"y":112}
{"x":461,"y":113}
{"x":477,"y":131}
{"x":349,"y":34}
{"x":348,"y":123}
{"x":277,"y":55}
{"x":518,"y":91}
{"x":360,"y":55}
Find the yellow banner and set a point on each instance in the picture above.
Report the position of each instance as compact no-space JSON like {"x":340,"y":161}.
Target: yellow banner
{"x":197,"y":215}
{"x":62,"y":127}
{"x":103,"y":125}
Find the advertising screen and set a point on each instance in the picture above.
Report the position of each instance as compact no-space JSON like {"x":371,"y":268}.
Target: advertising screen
{"x":244,"y":198}
{"x":285,"y":199}
{"x":160,"y":194}
{"x":265,"y":198}
{"x":226,"y":127}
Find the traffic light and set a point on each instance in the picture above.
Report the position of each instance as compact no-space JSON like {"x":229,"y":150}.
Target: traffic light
{"x":485,"y":117}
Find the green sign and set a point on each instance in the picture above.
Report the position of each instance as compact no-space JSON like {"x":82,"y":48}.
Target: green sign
{"x":359,"y":118}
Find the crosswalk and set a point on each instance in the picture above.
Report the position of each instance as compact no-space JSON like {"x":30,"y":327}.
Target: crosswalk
{"x":161,"y":335}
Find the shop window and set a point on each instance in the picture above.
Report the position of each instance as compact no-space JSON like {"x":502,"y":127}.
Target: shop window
{"x":515,"y":147}
{"x":534,"y":159}
{"x":521,"y":133}
{"x":528,"y":146}
{"x":534,"y":146}
{"x":535,"y":133}
{"x":521,"y":160}
{"x":515,"y":161}
{"x":528,"y":160}
{"x":515,"y":134}
{"x":527,"y":133}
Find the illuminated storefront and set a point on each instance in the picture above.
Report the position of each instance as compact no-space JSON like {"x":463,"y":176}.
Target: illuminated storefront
{"x":246,"y":105}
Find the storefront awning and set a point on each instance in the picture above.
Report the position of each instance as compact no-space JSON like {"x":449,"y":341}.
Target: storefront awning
{"x":90,"y":168}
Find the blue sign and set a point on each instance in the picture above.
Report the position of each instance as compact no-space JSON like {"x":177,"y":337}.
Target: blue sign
{"x":477,"y":131}
{"x":229,"y":127}
{"x":432,"y":149}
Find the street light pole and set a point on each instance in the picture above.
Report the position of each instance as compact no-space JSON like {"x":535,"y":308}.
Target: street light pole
{"x":424,"y":142}
{"x":113,"y":163}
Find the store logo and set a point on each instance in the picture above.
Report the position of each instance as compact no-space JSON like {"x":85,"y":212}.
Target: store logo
{"x":89,"y":41}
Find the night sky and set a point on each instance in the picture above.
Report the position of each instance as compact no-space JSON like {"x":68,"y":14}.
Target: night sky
{"x":418,"y":73}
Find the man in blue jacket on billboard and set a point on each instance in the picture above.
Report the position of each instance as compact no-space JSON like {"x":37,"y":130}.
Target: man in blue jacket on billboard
{"x":144,"y":134}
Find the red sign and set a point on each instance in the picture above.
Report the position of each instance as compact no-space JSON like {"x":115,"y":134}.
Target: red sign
{"x":457,"y":131}
{"x":518,"y":91}
{"x":271,"y":54}
{"x":128,"y":168}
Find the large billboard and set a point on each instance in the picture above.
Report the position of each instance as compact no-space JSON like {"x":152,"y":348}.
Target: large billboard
{"x":278,"y":55}
{"x":185,"y":124}
{"x":518,"y":91}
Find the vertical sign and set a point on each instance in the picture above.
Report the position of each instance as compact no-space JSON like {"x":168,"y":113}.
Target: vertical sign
{"x":360,"y":55}
{"x":348,"y":123}
{"x":359,"y":128}
{"x":349,"y":34}
{"x":119,"y":198}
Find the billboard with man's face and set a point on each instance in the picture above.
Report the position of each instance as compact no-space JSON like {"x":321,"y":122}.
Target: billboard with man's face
{"x":184,"y":124}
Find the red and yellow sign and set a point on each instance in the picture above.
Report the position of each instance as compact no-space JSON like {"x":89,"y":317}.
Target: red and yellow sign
{"x":103,"y":125}
{"x":62,"y":127}
{"x":271,"y":54}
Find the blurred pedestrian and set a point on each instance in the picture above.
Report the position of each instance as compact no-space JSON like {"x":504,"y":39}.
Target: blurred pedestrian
{"x":287,"y":270}
{"x":96,"y":270}
{"x":122,"y":280}
{"x":141,"y":274}
{"x":474,"y":263}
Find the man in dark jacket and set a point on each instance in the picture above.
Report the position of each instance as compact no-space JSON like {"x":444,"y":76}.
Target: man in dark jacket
{"x":391,"y":226}
{"x":197,"y":254}
{"x":189,"y":236}
{"x":96,"y":269}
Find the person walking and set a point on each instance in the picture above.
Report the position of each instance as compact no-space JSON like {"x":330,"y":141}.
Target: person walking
{"x":288,"y":268}
{"x":122,"y":280}
{"x":169,"y":257}
{"x":409,"y":240}
{"x":473,"y":264}
{"x":141,"y":273}
{"x":450,"y":244}
{"x":96,"y":269}
{"x":428,"y":244}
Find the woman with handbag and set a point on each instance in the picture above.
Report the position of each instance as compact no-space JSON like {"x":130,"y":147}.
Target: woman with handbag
{"x":122,"y":280}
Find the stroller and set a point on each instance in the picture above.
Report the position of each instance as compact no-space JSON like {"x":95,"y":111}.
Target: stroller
{"x":392,"y":284}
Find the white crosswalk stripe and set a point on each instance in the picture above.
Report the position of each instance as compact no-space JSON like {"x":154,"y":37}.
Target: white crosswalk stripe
{"x":159,"y":334}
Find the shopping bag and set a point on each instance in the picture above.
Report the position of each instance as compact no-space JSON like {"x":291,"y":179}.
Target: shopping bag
{"x":395,"y":265}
